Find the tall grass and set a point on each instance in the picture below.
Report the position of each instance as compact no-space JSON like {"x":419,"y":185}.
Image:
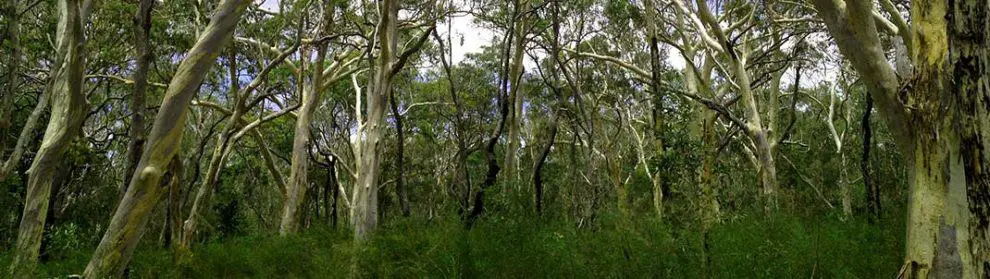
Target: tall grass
{"x":752,"y":245}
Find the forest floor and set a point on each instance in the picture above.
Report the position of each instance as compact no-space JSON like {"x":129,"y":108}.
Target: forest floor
{"x":746,"y":246}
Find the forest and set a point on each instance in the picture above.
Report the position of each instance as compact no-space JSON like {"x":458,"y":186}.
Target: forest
{"x":495,"y":138}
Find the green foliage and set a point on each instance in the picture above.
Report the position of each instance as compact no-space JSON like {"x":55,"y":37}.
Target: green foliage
{"x":517,"y":245}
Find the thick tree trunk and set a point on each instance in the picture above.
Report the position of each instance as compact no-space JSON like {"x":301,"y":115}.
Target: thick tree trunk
{"x":69,"y":108}
{"x":364,"y":207}
{"x":938,"y":243}
{"x":129,"y":220}
{"x":969,"y":60}
{"x":142,"y":28}
{"x":299,"y":172}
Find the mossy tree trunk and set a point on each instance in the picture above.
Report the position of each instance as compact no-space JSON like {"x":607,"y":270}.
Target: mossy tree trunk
{"x":298,"y":176}
{"x":969,"y":61}
{"x":947,"y":185}
{"x":12,"y":33}
{"x":142,"y":53}
{"x":128,"y":222}
{"x":69,"y":108}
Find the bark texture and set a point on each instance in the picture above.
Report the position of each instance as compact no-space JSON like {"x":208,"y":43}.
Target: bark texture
{"x":538,"y":168}
{"x":69,"y":108}
{"x":129,"y":220}
{"x":12,"y":33}
{"x":515,"y":94}
{"x":364,"y":210}
{"x":969,"y":61}
{"x":941,"y":239}
{"x":142,"y":53}
{"x":299,"y":172}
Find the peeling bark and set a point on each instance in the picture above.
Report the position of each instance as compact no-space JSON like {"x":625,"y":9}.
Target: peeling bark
{"x":299,"y":171}
{"x":69,"y":107}
{"x":364,"y":210}
{"x":969,"y":61}
{"x":937,"y":234}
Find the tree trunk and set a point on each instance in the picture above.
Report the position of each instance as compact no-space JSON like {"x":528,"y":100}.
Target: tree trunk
{"x":330,"y":206}
{"x":400,"y":157}
{"x":217,"y":160}
{"x":129,"y":220}
{"x":969,"y":60}
{"x":538,"y":168}
{"x":364,"y":207}
{"x":13,"y":33}
{"x":756,"y":131}
{"x":299,"y":172}
{"x":872,"y":193}
{"x":11,"y":11}
{"x":142,"y":28}
{"x":515,"y":94}
{"x":173,"y":211}
{"x":937,"y":244}
{"x":69,"y":108}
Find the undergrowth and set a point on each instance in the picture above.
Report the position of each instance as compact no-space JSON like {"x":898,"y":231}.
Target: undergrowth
{"x":785,"y":245}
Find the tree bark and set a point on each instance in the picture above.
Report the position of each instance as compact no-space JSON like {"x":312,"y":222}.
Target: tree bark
{"x":364,"y":208}
{"x":872,"y":192}
{"x":515,"y":94}
{"x":400,"y":157}
{"x":129,"y":220}
{"x":173,"y":212}
{"x":299,"y":171}
{"x":13,"y":33}
{"x":142,"y":53}
{"x":969,"y":61}
{"x":538,"y":168}
{"x":938,"y":243}
{"x":69,"y":108}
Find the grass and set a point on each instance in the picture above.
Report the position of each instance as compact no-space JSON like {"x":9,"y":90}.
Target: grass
{"x":748,"y":246}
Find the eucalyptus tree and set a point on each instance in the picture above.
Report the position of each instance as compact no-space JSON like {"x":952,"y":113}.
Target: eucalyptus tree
{"x":143,"y":55}
{"x":941,"y":99}
{"x":311,"y":90}
{"x":705,"y":35}
{"x":518,"y":33}
{"x":129,"y":220}
{"x":69,"y":107}
{"x":387,"y":63}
